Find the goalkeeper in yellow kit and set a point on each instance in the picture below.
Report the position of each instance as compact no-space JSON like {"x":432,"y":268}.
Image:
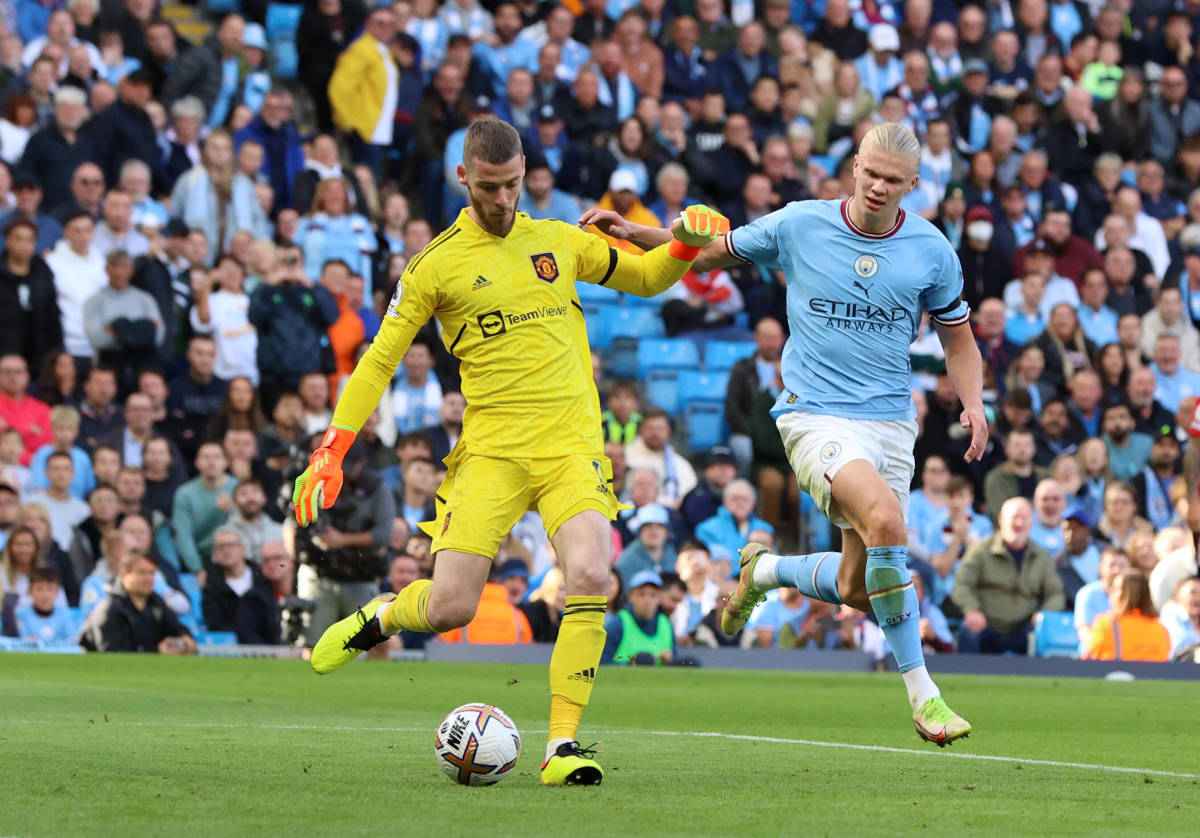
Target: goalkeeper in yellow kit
{"x":503,"y":287}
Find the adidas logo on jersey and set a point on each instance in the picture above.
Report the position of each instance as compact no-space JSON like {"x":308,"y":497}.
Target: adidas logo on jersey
{"x":586,"y":675}
{"x":480,"y":282}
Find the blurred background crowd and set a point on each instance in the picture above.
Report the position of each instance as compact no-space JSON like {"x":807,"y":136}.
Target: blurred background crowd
{"x":206,"y":209}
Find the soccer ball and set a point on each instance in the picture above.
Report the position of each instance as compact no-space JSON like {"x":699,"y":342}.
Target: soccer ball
{"x":477,"y":745}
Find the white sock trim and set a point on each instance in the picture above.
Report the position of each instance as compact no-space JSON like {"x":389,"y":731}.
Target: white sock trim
{"x":552,"y":746}
{"x":379,"y":616}
{"x":920,"y":686}
{"x":764,"y":578}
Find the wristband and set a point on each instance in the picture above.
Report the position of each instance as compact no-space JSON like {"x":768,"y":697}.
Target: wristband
{"x":338,"y":439}
{"x":682,"y":252}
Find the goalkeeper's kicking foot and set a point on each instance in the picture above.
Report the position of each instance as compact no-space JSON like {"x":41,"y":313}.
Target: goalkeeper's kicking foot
{"x":937,"y":723}
{"x":343,"y":641}
{"x":741,"y":602}
{"x":572,"y":765}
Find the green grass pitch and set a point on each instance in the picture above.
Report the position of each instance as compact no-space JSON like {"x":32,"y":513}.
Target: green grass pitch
{"x":149,"y":746}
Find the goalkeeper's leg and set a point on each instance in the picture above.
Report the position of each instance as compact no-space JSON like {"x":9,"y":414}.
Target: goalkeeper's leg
{"x":583,"y":544}
{"x":445,"y":602}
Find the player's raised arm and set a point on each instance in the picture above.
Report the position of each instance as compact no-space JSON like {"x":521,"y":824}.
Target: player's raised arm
{"x":411,"y":307}
{"x":660,"y":267}
{"x":713,"y":255}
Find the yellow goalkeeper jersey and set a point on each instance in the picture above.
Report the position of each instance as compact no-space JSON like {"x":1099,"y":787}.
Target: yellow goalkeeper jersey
{"x":509,"y":312}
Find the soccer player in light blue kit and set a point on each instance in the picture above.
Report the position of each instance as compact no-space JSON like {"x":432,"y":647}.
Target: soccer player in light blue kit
{"x":859,"y":273}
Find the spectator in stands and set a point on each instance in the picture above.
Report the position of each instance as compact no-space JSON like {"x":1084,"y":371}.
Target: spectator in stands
{"x":1167,"y":318}
{"x":195,"y":396}
{"x":65,"y":511}
{"x":116,"y":231}
{"x":133,"y":618}
{"x":1002,"y":582}
{"x":704,"y":501}
{"x":10,"y":501}
{"x":123,"y":131}
{"x":1174,"y":382}
{"x":1049,"y":503}
{"x":362,"y":89}
{"x":201,"y":505}
{"x":292,"y":316}
{"x":1181,"y":616}
{"x":416,"y":499}
{"x":19,"y":410}
{"x":746,"y":378}
{"x":122,"y":323}
{"x":64,"y":427}
{"x":734,"y":521}
{"x":248,"y":520}
{"x":44,"y":619}
{"x":1120,"y":521}
{"x":334,"y":232}
{"x":1131,"y":631}
{"x":1173,"y":114}
{"x":55,"y":152}
{"x":417,"y":395}
{"x":652,"y":449}
{"x":28,"y":195}
{"x":700,"y":594}
{"x":1128,"y":450}
{"x":324,"y":30}
{"x":1093,"y":598}
{"x":215,"y":198}
{"x":30,"y":321}
{"x":621,"y":419}
{"x":78,"y":268}
{"x":948,"y":539}
{"x":640,"y":633}
{"x":223,"y":314}
{"x":651,"y":549}
{"x":444,"y":435}
{"x":211,"y":72}
{"x":1017,"y":475}
{"x":543,"y":199}
{"x":237,"y":597}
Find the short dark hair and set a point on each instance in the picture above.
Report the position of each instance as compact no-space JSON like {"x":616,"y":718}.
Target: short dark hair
{"x":656,"y":413}
{"x":1117,"y":405}
{"x":624,"y":385}
{"x":61,"y":455}
{"x":249,"y":481}
{"x":44,"y":574}
{"x":18,"y":223}
{"x":426,"y":460}
{"x":491,"y":140}
{"x":693,"y":544}
{"x":132,"y":557}
{"x":957,"y":483}
{"x":75,"y":215}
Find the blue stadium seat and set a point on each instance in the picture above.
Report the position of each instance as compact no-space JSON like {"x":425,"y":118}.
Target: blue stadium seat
{"x":662,"y":390}
{"x":283,"y":19}
{"x":723,"y":354}
{"x":622,"y":358}
{"x":636,"y":322}
{"x":599,"y":318}
{"x":1054,"y":635}
{"x":216,"y":8}
{"x":666,"y":353}
{"x":216,"y":638}
{"x":286,"y":59}
{"x":696,"y":387}
{"x":191,"y":587}
{"x":643,"y":302}
{"x":590,"y":292}
{"x":705,"y":425}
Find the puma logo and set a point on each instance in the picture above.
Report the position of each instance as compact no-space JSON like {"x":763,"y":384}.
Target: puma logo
{"x":866,"y":289}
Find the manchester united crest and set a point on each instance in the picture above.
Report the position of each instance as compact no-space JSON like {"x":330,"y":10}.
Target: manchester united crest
{"x":545,"y":266}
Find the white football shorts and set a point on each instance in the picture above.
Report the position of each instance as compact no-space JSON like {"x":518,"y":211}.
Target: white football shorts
{"x":818,"y":446}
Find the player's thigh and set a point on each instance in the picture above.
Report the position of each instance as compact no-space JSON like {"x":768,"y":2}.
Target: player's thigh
{"x":478,"y":503}
{"x":583,"y":544}
{"x":458,"y":580}
{"x":818,"y":449}
{"x":873,"y":496}
{"x":566,"y":486}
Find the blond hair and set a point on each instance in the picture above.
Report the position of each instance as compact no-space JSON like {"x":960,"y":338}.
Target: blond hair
{"x":65,"y":415}
{"x":892,"y":138}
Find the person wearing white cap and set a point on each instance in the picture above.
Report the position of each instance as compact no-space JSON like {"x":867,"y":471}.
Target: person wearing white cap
{"x":623,"y":197}
{"x":651,"y":550}
{"x":879,"y":69}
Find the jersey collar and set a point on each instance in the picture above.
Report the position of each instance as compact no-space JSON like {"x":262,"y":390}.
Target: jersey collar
{"x":854,"y":228}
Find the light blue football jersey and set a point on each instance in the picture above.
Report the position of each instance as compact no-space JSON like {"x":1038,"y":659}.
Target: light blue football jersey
{"x":854,"y":303}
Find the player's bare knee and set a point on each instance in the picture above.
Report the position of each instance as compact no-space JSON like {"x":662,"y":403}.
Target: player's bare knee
{"x":885,"y":528}
{"x":450,"y":614}
{"x":588,"y":579}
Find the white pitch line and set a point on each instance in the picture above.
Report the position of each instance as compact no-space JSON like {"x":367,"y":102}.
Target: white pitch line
{"x":775,"y":740}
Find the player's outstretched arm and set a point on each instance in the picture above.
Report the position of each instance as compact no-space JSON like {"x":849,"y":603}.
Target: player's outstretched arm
{"x":713,"y":255}
{"x":964,"y":365}
{"x":318,"y":486}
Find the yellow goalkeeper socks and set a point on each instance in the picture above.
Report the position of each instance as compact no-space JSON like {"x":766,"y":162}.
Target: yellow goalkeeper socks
{"x":573,"y":663}
{"x":407,"y":612}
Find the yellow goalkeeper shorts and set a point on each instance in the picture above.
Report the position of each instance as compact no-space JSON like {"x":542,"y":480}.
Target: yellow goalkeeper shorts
{"x":483,"y":497}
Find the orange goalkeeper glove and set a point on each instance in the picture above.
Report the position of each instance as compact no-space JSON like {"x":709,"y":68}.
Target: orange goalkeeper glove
{"x":696,"y":226}
{"x":318,"y":486}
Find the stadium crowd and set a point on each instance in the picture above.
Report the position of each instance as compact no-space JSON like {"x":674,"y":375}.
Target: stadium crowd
{"x":200,"y":241}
